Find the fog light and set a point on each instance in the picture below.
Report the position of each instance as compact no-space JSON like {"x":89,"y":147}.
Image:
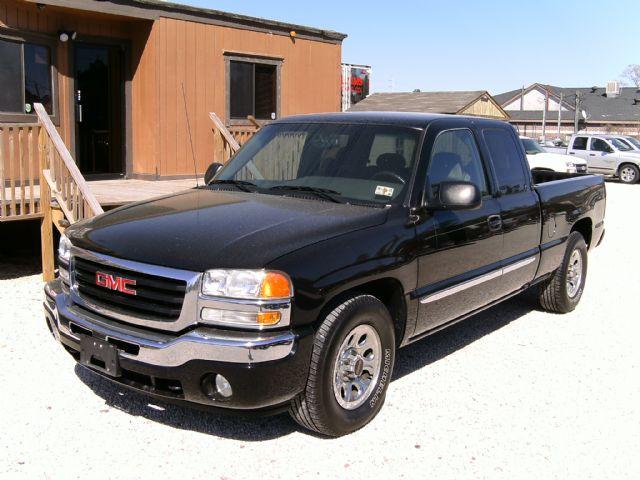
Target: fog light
{"x":223,"y":387}
{"x":216,"y":386}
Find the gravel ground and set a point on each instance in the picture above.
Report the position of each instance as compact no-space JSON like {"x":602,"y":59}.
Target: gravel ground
{"x":511,"y":393}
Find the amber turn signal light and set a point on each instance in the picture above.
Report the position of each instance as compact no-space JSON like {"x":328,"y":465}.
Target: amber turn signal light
{"x":275,"y":285}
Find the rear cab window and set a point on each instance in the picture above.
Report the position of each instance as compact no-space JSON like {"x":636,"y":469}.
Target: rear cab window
{"x":507,"y":160}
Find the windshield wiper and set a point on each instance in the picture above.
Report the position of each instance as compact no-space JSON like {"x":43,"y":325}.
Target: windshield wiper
{"x":323,"y":193}
{"x":241,"y":184}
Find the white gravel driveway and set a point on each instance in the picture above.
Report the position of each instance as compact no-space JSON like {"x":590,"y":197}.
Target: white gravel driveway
{"x":511,"y":393}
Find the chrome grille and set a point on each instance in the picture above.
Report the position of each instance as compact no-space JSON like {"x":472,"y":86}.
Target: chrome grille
{"x":156,"y":297}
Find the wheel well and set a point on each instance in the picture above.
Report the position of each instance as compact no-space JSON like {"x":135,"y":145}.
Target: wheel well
{"x":585,"y":228}
{"x":390,"y":292}
{"x":622,"y":165}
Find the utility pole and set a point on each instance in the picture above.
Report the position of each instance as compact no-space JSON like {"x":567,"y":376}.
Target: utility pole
{"x":560,"y":113}
{"x":577,"y":112}
{"x":544,"y":115}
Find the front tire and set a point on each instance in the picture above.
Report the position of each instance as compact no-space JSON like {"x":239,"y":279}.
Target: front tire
{"x":351,"y":366}
{"x":562,"y":292}
{"x":629,"y":174}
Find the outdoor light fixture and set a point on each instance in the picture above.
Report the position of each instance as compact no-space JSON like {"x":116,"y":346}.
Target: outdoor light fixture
{"x":66,"y":35}
{"x":293,"y":34}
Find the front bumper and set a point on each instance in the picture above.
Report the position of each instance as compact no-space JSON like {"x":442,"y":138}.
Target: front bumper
{"x":265,"y":369}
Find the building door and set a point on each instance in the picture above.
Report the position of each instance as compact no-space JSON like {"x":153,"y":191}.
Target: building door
{"x":99,"y":95}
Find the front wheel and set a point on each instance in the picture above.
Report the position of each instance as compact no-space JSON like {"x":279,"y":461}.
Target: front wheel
{"x":351,"y":365}
{"x":629,"y":174}
{"x":561,"y":293}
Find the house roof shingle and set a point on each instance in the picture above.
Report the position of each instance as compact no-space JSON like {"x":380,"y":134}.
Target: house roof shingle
{"x":431,"y":102}
{"x":593,"y":100}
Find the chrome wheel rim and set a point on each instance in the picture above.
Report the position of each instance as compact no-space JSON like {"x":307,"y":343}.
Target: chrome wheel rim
{"x":574,"y":273}
{"x":628,"y":174}
{"x":357,"y":367}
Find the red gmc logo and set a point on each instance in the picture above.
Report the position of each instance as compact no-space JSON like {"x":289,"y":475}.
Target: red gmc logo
{"x":113,"y":282}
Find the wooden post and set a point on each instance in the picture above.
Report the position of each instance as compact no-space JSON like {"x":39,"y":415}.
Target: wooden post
{"x":46,"y":226}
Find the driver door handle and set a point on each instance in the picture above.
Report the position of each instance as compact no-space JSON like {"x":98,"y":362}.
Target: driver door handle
{"x":495,"y":222}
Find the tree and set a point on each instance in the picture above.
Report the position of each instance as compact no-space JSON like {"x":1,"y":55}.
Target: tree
{"x":632,"y":74}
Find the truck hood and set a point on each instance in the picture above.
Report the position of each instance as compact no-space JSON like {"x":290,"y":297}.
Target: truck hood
{"x":200,"y":229}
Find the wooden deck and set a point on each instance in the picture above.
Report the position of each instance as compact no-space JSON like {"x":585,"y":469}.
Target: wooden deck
{"x":112,"y":193}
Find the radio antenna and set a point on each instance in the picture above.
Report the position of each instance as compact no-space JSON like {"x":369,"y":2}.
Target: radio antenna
{"x":193,"y":152}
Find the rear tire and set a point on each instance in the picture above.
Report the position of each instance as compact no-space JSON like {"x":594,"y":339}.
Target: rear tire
{"x":562,"y":292}
{"x":351,"y":366}
{"x":629,"y":173}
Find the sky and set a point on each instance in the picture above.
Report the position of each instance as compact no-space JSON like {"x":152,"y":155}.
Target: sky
{"x":470,"y":45}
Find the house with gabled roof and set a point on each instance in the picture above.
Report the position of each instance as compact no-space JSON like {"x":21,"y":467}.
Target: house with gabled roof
{"x":610,"y":109}
{"x":477,"y":102}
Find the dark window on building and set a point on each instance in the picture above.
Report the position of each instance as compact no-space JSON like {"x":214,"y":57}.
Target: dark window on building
{"x":580,"y":143}
{"x":507,"y":160}
{"x":253,"y":90}
{"x":26,"y":76}
{"x":455,"y":158}
{"x":10,"y":76}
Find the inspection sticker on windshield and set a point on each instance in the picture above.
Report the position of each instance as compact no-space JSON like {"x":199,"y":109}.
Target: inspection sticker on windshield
{"x":384,"y":191}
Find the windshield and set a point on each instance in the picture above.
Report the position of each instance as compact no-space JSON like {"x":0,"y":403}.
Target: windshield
{"x":352,"y":163}
{"x":531,"y":146}
{"x":623,"y":147}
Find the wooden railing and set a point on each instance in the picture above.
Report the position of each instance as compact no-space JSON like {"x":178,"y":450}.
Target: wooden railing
{"x":60,"y":180}
{"x":227,"y":141}
{"x":19,"y":172}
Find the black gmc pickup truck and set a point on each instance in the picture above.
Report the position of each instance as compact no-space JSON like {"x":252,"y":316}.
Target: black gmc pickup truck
{"x":329,"y":241}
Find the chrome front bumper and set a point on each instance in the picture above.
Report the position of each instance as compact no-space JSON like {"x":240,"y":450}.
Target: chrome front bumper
{"x":163,"y":349}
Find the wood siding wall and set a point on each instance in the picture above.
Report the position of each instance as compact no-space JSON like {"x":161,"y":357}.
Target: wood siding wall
{"x":169,"y":53}
{"x":25,"y":17}
{"x":176,"y":54}
{"x":484,"y":109}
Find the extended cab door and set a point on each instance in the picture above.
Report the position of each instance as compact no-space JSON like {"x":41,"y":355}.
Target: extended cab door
{"x":578,"y":148}
{"x":519,"y":208}
{"x":459,"y":250}
{"x":602,"y":157}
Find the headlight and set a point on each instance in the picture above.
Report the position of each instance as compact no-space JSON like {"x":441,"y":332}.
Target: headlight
{"x":247,"y":284}
{"x":571,"y":165}
{"x":254,"y":299}
{"x":64,"y":249}
{"x":64,"y":255}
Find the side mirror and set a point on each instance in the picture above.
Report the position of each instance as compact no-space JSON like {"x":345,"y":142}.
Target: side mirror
{"x":211,"y":172}
{"x":457,"y":196}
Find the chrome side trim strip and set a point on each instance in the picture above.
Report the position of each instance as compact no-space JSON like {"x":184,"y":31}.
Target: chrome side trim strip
{"x":462,"y":286}
{"x":517,"y":265}
{"x":477,"y":281}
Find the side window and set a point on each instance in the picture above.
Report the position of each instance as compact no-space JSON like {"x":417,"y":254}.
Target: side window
{"x":580,"y":143}
{"x":26,"y":77}
{"x":507,"y":160}
{"x":599,"y":145}
{"x":455,"y":157}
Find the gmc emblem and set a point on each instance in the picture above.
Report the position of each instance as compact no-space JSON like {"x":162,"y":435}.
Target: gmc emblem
{"x":113,"y":282}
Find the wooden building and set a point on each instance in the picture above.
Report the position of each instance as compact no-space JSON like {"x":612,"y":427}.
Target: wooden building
{"x":478,"y":103}
{"x":129,"y":84}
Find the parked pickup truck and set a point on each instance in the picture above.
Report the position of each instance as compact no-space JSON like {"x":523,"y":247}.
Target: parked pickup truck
{"x":605,"y":154}
{"x":541,"y":160}
{"x":329,"y":241}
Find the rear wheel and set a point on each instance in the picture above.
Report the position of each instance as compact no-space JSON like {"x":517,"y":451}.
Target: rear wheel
{"x":562,"y":292}
{"x":629,"y":173}
{"x":351,"y":365}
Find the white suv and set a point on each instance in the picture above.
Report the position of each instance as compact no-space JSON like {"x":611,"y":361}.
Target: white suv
{"x":606,"y":154}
